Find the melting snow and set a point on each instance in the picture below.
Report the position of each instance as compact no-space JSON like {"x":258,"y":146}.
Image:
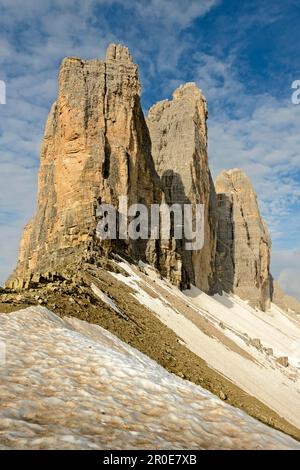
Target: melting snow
{"x":68,"y":384}
{"x":262,"y":377}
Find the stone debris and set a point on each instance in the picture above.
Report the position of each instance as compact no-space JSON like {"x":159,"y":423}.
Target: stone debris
{"x":283,"y":361}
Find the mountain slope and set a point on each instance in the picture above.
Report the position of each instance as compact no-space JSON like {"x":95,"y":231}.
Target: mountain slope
{"x":232,"y":338}
{"x":220,"y":343}
{"x":68,"y":384}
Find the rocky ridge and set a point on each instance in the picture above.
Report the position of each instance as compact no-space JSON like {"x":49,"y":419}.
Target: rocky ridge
{"x":98,"y":146}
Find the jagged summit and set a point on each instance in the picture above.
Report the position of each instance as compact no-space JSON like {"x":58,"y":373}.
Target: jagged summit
{"x":190,"y":91}
{"x":114,"y":52}
{"x":118,"y":52}
{"x":234,"y":177}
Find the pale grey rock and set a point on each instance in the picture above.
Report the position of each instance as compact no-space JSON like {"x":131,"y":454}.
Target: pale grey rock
{"x":244,"y":244}
{"x":179,"y":148}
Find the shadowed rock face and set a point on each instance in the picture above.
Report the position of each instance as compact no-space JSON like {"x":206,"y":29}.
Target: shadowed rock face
{"x":96,"y":147}
{"x":179,"y":148}
{"x":244,"y":245}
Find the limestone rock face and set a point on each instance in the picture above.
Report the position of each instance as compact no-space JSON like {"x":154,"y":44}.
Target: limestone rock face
{"x":179,"y":148}
{"x":244,"y":245}
{"x":96,"y":147}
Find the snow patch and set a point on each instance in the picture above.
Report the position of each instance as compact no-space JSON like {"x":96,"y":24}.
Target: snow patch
{"x":68,"y":384}
{"x":277,"y":387}
{"x":107,"y":300}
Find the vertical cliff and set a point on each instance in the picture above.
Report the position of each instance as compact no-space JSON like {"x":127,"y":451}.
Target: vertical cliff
{"x":179,"y":148}
{"x":244,"y":245}
{"x":96,"y":147}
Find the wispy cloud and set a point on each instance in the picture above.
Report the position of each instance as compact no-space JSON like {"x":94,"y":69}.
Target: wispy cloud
{"x":170,"y":13}
{"x":286,"y":265}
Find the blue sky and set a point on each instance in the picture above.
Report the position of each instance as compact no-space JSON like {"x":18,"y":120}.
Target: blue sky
{"x":243,"y":55}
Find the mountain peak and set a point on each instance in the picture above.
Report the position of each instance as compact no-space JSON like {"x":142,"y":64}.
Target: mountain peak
{"x":118,"y":52}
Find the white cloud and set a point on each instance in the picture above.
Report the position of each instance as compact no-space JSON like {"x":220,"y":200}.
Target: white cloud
{"x":286,"y":266}
{"x":178,"y":13}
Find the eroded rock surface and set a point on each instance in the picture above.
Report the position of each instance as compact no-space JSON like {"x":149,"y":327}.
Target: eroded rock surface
{"x":96,"y":148}
{"x":179,"y":148}
{"x":244,"y":245}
